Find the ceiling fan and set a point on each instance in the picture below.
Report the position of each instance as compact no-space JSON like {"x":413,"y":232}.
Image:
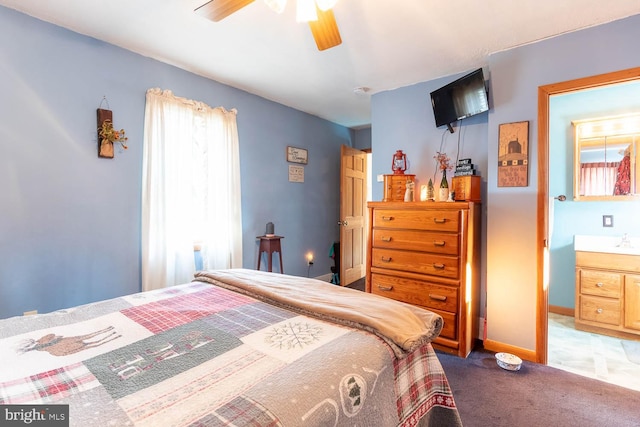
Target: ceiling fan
{"x":318,"y":14}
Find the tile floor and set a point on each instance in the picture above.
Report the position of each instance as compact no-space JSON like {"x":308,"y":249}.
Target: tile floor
{"x":591,"y":355}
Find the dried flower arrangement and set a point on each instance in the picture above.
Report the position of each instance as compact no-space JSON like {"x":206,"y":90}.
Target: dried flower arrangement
{"x":444,"y":162}
{"x":109,"y":134}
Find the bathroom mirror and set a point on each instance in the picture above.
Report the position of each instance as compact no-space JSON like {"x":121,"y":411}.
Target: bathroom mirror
{"x":606,"y":158}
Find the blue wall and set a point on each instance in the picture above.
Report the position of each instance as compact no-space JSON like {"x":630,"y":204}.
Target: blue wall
{"x":362,"y":139}
{"x":70,"y":222}
{"x":402,"y":119}
{"x":583,"y":217}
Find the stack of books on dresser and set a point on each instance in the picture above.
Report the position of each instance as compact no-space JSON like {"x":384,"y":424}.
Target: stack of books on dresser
{"x":464,"y":167}
{"x":466,"y":182}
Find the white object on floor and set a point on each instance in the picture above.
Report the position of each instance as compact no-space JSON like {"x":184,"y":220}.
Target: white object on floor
{"x":508,"y":361}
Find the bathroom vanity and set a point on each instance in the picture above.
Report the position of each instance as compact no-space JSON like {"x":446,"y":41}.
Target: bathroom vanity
{"x":608,"y":285}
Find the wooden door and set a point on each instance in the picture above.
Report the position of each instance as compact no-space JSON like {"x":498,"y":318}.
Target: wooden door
{"x":353,"y":214}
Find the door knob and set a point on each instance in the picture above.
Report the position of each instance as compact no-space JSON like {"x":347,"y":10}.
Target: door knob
{"x":561,"y":198}
{"x":345,"y":223}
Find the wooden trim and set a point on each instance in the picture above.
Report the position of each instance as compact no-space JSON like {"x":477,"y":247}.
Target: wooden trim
{"x":522,"y":353}
{"x":542,"y":292}
{"x":608,"y":332}
{"x":564,"y":311}
{"x":544,"y":93}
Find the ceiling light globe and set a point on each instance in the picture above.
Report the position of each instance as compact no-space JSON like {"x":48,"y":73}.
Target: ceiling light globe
{"x":276,"y":5}
{"x":325,"y":5}
{"x":306,"y":11}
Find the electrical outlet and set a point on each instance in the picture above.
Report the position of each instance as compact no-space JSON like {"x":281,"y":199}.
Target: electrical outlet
{"x":380,"y":178}
{"x":607,"y":220}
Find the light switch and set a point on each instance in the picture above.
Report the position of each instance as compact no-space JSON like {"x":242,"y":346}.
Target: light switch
{"x":380,"y":178}
{"x":607,"y":220}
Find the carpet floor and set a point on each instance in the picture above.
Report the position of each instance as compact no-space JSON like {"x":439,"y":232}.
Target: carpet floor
{"x":536,"y":395}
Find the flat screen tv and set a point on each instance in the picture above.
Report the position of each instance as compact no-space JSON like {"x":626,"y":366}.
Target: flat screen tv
{"x":460,"y":99}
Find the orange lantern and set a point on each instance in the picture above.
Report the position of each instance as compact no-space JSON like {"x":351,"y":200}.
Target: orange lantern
{"x":399,"y":163}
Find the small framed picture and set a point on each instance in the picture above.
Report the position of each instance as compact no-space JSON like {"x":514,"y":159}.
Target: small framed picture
{"x":297,"y":155}
{"x":513,"y":154}
{"x":296,"y":173}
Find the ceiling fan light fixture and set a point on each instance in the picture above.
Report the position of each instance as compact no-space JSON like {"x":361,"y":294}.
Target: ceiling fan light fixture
{"x":276,"y":5}
{"x":306,"y":11}
{"x":325,"y":5}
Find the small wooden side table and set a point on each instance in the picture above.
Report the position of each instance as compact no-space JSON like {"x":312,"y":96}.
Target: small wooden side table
{"x":270,"y":244}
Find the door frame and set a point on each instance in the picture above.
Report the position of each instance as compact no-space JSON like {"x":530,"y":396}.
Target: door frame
{"x":542,"y":250}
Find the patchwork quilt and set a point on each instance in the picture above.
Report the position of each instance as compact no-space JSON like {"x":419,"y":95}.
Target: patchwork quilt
{"x":203,"y":354}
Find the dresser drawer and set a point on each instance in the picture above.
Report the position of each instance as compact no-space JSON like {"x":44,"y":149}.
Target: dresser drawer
{"x":435,"y":220}
{"x":416,"y":262}
{"x":442,"y":300}
{"x":416,"y":292}
{"x":601,"y":310}
{"x":601,"y":283}
{"x":416,"y":240}
{"x":449,"y":329}
{"x":395,"y":192}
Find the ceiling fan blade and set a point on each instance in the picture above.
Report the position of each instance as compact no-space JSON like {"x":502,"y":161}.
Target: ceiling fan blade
{"x":217,"y":10}
{"x":325,"y":30}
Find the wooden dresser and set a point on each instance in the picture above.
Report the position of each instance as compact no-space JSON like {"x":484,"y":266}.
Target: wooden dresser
{"x":608,"y":294}
{"x":427,"y":254}
{"x":395,"y":186}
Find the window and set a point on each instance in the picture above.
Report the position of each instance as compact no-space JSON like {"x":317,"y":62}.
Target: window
{"x":190,"y":189}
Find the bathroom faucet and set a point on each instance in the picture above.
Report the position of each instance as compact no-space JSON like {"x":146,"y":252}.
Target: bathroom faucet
{"x":625,"y":242}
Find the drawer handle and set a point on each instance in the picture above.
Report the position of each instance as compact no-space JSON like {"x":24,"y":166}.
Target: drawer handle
{"x":599,"y":311}
{"x":599,"y":284}
{"x":385,"y":238}
{"x":386,"y":259}
{"x":439,"y":220}
{"x":438,"y":243}
{"x":387,"y":218}
{"x":438,"y":297}
{"x":438,"y":266}
{"x":385,"y":288}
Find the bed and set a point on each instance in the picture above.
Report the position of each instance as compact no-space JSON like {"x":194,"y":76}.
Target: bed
{"x":232,"y":348}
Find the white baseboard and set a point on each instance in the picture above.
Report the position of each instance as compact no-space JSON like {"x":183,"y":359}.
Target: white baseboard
{"x":325,"y":277}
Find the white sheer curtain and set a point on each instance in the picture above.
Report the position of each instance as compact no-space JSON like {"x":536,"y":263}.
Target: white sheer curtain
{"x":597,"y":179}
{"x":190,"y":189}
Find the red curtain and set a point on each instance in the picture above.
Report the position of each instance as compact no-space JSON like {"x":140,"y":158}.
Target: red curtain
{"x":623,"y":177}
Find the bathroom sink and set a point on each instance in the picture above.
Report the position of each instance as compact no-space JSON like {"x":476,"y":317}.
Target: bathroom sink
{"x":607,"y":244}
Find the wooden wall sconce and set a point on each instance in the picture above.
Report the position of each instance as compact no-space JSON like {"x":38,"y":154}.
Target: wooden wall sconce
{"x":105,"y":147}
{"x":108,"y":135}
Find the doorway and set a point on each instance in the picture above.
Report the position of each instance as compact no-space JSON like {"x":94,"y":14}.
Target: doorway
{"x":545,"y":202}
{"x":354,"y":190}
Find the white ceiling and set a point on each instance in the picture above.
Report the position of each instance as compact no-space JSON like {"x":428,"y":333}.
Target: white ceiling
{"x":386,"y":44}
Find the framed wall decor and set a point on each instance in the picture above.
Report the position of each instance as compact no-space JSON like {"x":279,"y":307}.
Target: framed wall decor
{"x":296,"y":173}
{"x":297,"y":155}
{"x":513,"y":154}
